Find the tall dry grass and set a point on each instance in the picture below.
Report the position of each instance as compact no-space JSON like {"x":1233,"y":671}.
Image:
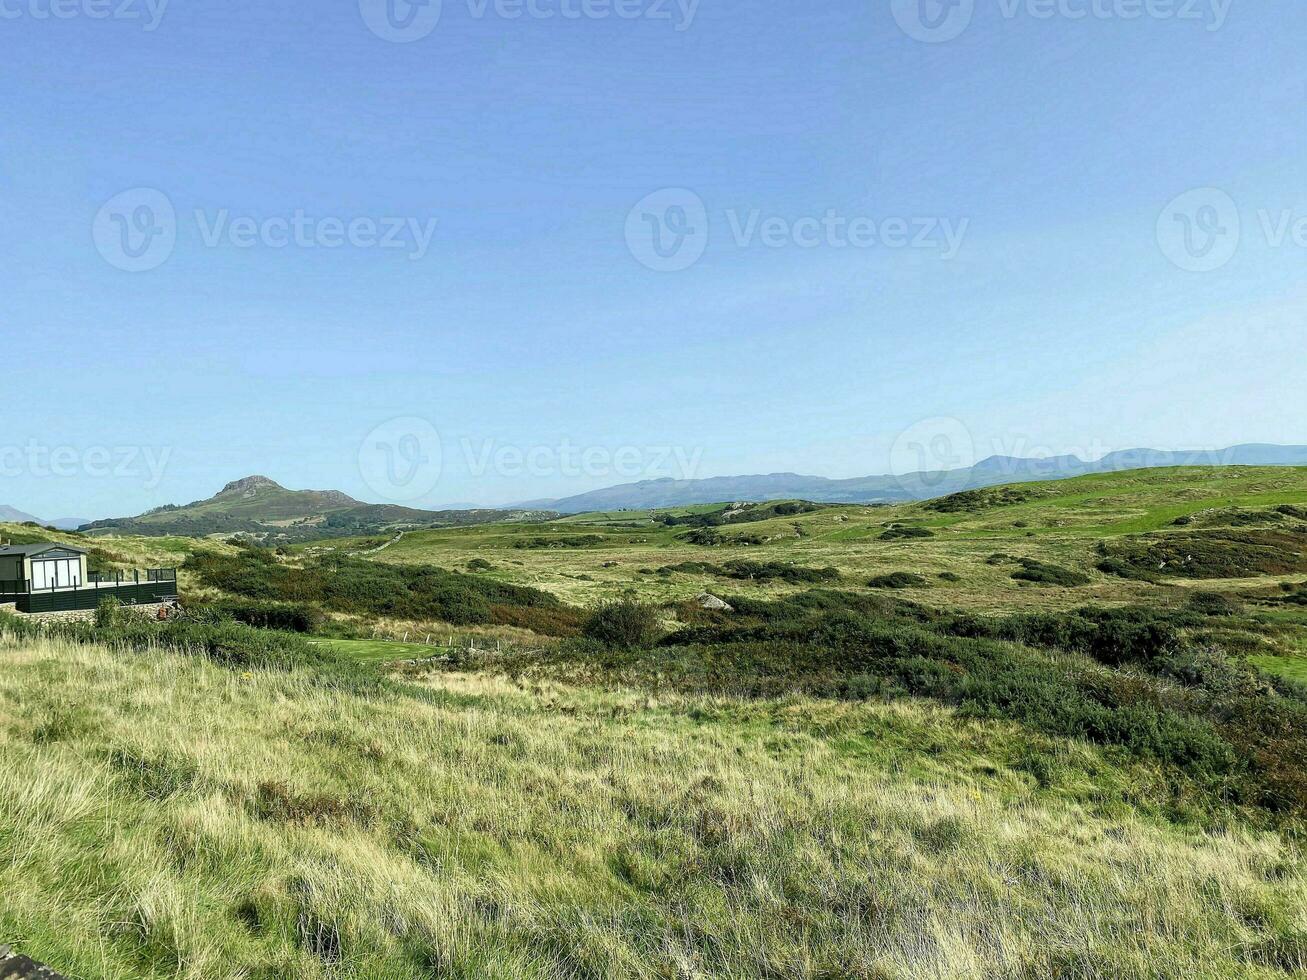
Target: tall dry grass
{"x":161,"y":816}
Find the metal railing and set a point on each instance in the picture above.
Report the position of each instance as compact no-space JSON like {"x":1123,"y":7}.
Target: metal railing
{"x":96,"y":580}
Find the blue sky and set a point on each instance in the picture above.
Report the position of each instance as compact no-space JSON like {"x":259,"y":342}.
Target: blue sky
{"x":527,"y":349}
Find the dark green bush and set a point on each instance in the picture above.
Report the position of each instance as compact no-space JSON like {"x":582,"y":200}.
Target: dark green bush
{"x":898,"y":580}
{"x":739,"y":514}
{"x":622,"y":623}
{"x":986,"y":498}
{"x":904,"y":533}
{"x":1122,"y":569}
{"x":292,"y":617}
{"x":711,"y":537}
{"x":1212,"y":604}
{"x":757,"y":571}
{"x":1221,"y":553}
{"x":1042,"y":573}
{"x":765,"y":571}
{"x":106,"y":613}
{"x":352,"y":585}
{"x":545,"y":620}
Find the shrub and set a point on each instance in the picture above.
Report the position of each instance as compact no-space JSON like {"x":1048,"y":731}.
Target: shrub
{"x":1122,"y":569}
{"x":739,"y":514}
{"x":898,"y":580}
{"x":548,"y":621}
{"x":293,"y":617}
{"x":107,"y":613}
{"x":768,"y":571}
{"x":793,"y":508}
{"x":1224,"y":553}
{"x":710,"y":537}
{"x":705,"y":536}
{"x":756,"y":571}
{"x":901,"y":533}
{"x":1212,"y":604}
{"x":974,"y":501}
{"x":344,"y":584}
{"x":1042,"y":573}
{"x":623,"y":623}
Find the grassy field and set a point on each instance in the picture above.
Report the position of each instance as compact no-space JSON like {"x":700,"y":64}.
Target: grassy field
{"x":1056,"y":521}
{"x":596,"y":557}
{"x":166,"y":817}
{"x":1065,"y":740}
{"x":1294,"y":668}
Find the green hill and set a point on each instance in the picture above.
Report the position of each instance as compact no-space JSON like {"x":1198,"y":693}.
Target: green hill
{"x":263,"y":508}
{"x":1045,"y":729}
{"x":1079,"y":524}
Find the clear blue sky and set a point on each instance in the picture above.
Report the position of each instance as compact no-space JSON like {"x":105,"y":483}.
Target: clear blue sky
{"x":1060,"y":323}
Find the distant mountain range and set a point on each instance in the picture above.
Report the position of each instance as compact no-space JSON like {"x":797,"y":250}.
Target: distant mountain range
{"x":653,"y":494}
{"x":10,"y":515}
{"x":259,"y":506}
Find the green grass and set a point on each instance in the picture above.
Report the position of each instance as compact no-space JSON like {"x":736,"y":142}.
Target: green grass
{"x":1060,"y":523}
{"x":861,"y":784}
{"x":163,"y":817}
{"x":1294,"y":668}
{"x":381,"y":651}
{"x":1291,"y":664}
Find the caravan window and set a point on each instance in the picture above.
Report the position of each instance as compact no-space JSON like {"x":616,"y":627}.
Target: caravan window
{"x":59,"y":573}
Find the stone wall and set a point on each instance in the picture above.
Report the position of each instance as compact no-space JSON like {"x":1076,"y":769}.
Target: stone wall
{"x":148,"y":609}
{"x":16,"y":967}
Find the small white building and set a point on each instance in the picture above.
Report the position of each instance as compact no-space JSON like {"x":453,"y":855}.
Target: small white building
{"x":42,"y":566}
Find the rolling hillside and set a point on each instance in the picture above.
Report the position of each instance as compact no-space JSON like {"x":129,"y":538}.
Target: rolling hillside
{"x":259,"y":506}
{"x":994,"y":471}
{"x":966,"y":547}
{"x":1042,"y":729}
